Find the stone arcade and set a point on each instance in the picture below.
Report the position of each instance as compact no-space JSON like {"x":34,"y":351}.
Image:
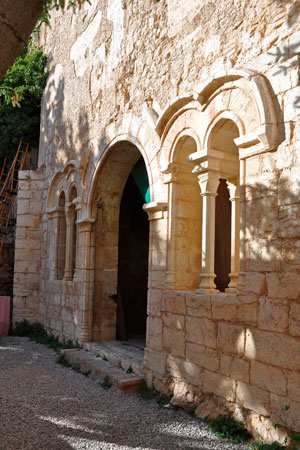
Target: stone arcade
{"x":201,"y":104}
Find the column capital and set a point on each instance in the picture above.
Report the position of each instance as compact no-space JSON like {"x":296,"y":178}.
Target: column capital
{"x":234,"y":190}
{"x":85,"y":224}
{"x":209,"y":183}
{"x":155,"y":210}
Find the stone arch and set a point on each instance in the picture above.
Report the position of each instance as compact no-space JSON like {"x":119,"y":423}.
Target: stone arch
{"x":242,"y":92}
{"x":62,"y":180}
{"x":129,"y":129}
{"x":185,"y":216}
{"x":113,"y":170}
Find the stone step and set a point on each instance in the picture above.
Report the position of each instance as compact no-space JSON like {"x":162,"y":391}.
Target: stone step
{"x":120,"y":354}
{"x":103,"y":370}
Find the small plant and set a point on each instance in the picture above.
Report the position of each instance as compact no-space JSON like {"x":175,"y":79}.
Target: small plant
{"x":86,"y":373}
{"x":104,"y":358}
{"x":36,"y":332}
{"x":163,"y":399}
{"x":146,"y":393}
{"x":226,"y":427}
{"x":106,"y":384}
{"x":61,"y":359}
{"x":260,"y":445}
{"x":129,"y":370}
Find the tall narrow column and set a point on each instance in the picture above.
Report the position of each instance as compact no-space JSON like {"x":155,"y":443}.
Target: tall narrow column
{"x":70,"y":222}
{"x":209,"y":182}
{"x":234,"y":192}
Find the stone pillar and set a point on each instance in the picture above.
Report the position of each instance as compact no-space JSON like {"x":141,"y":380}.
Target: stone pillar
{"x":70,"y":222}
{"x":85,"y":273}
{"x":54,"y":214}
{"x":209,"y":182}
{"x":242,"y":249}
{"x":234,"y":192}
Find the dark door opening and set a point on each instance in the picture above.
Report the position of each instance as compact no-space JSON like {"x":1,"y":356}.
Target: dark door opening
{"x":133,"y":257}
{"x":222,"y":237}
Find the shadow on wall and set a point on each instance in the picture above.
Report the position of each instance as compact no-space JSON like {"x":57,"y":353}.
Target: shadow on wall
{"x":246,"y":350}
{"x":59,"y":137}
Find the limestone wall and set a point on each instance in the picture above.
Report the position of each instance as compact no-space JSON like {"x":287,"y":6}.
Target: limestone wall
{"x":28,"y":245}
{"x":158,"y":76}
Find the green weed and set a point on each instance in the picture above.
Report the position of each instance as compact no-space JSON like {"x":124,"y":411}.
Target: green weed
{"x":106,"y":384}
{"x":226,"y":427}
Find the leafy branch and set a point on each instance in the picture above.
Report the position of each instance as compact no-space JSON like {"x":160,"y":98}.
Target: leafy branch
{"x":58,"y":5}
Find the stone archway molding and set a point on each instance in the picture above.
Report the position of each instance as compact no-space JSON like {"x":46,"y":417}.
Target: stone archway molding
{"x":263,"y":139}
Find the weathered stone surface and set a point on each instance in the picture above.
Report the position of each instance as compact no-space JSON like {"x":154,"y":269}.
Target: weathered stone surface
{"x":231,"y":338}
{"x":204,"y":357}
{"x":273,"y":348}
{"x":283,"y":285}
{"x":253,"y":398}
{"x":273,"y":314}
{"x":219,"y":385}
{"x":201,"y":331}
{"x":268,"y":377}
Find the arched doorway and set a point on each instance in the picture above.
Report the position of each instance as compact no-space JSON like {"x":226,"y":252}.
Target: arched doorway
{"x":121,"y":239}
{"x":133,"y":256}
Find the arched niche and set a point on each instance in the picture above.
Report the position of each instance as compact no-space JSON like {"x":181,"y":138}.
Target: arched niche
{"x":61,"y":238}
{"x":108,"y":191}
{"x":185,"y":216}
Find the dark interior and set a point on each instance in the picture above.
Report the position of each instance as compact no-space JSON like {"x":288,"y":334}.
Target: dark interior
{"x":133,"y":263}
{"x":222,"y":237}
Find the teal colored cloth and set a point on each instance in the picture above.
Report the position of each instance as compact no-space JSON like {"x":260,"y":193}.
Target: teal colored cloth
{"x":139,"y":174}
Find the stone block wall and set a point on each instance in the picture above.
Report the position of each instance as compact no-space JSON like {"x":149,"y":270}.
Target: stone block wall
{"x":149,"y":74}
{"x":28,"y":245}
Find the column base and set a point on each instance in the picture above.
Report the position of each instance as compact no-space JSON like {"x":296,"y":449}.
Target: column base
{"x":207,"y":284}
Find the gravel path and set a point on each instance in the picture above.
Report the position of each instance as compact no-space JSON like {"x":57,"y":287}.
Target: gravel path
{"x":45,"y":406}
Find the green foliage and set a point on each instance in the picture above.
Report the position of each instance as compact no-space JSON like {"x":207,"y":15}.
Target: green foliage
{"x":61,"y":359}
{"x":226,"y":427}
{"x":58,"y":5}
{"x":129,"y":370}
{"x":23,"y":85}
{"x":163,"y":399}
{"x":261,"y":446}
{"x":37,"y":332}
{"x":106,"y":384}
{"x":146,"y":393}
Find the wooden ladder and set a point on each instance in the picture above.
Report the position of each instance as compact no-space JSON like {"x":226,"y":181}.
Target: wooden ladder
{"x":9,"y":188}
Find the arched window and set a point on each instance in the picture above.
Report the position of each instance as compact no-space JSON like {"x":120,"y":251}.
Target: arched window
{"x":61,"y":238}
{"x":73,"y":195}
{"x":222,"y":148}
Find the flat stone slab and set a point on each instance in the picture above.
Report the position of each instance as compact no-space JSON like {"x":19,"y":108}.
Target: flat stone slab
{"x":103,"y":370}
{"x":120,"y":354}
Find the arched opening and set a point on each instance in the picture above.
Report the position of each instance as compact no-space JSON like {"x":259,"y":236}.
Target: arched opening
{"x":121,"y":239}
{"x":184,"y":264}
{"x":133,"y":255}
{"x":61,"y":238}
{"x":223,"y":147}
{"x":73,"y":195}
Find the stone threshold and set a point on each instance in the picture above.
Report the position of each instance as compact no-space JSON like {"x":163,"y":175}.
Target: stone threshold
{"x":103,"y":370}
{"x":121,"y":354}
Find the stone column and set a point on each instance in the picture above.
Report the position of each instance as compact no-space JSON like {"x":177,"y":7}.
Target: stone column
{"x":234,"y":197}
{"x":209,"y":182}
{"x":54,"y":214}
{"x":85,"y":273}
{"x":70,"y":222}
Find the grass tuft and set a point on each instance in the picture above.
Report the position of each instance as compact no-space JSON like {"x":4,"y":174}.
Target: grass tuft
{"x":226,"y":427}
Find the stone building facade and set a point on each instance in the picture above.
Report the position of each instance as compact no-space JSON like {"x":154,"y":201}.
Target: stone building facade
{"x":200,"y":101}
